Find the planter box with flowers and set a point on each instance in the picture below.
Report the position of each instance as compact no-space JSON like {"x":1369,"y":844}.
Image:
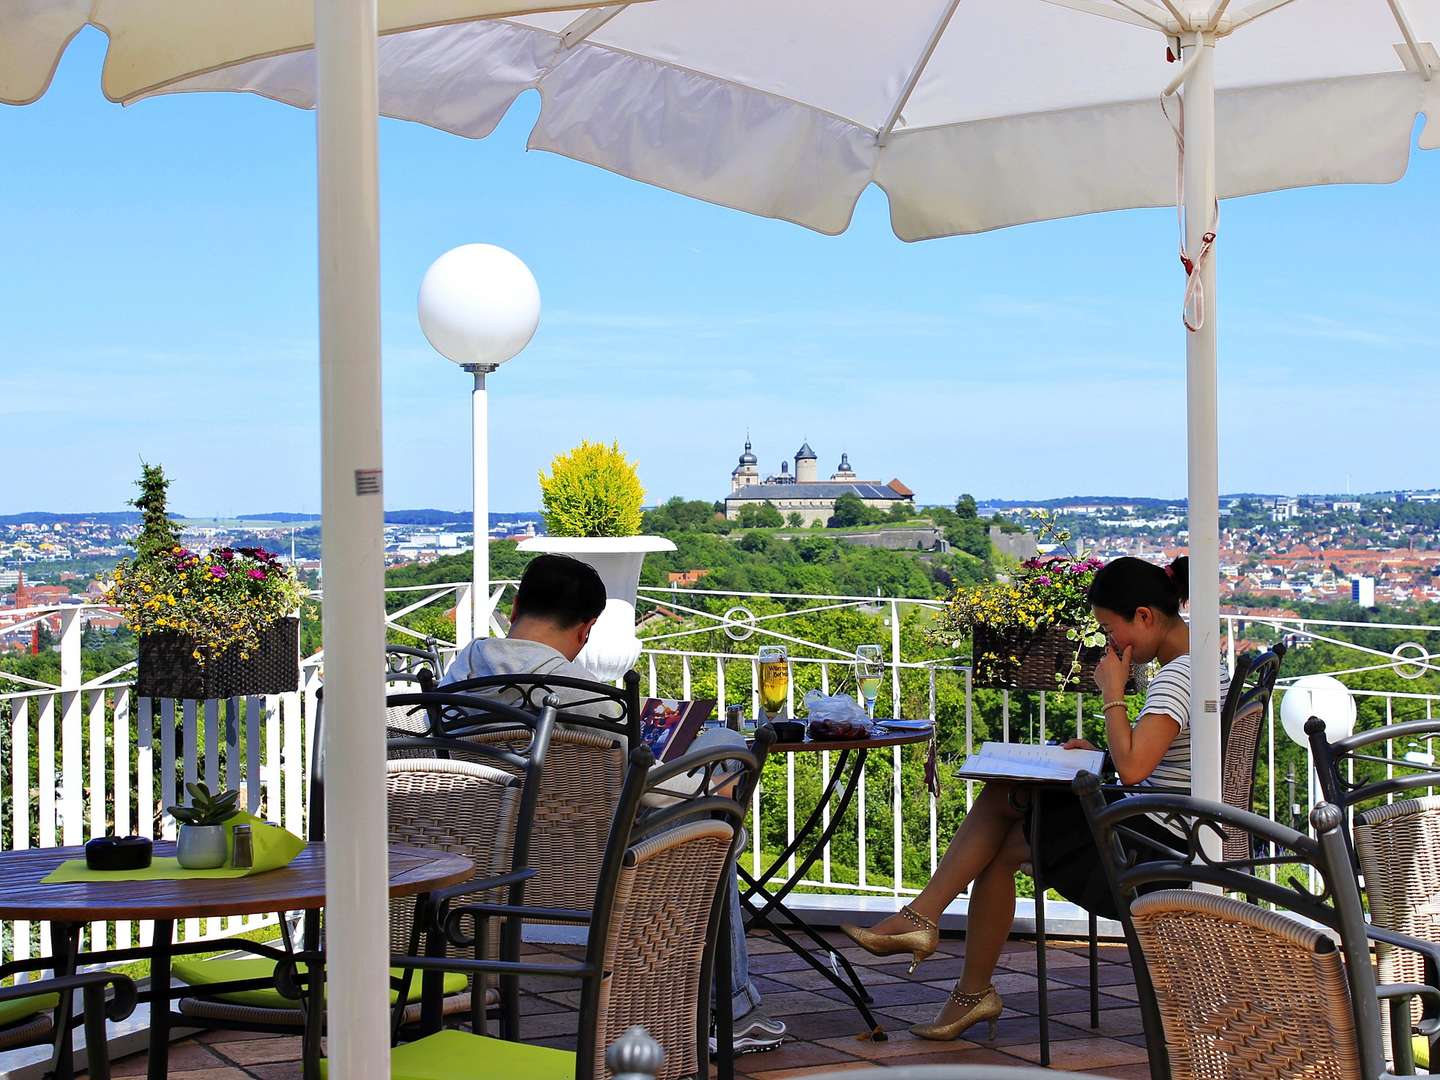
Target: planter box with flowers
{"x":1034,"y":631}
{"x":211,"y":625}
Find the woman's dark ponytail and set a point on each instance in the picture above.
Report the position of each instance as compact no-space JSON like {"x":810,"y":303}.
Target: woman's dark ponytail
{"x":1122,"y":585}
{"x":1179,"y":573}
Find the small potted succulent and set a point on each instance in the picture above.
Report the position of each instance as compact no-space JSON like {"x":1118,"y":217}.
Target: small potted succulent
{"x":591,"y":500}
{"x":201,"y":843}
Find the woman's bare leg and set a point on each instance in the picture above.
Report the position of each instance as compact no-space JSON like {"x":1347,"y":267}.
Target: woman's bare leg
{"x":974,"y":846}
{"x":992,"y":913}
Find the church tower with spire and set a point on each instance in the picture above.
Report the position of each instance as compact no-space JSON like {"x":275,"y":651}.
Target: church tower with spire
{"x":748,"y":471}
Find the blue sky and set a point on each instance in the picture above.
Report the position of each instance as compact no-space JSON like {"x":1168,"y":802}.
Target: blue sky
{"x":157,"y":300}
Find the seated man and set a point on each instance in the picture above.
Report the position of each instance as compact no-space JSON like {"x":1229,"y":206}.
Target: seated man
{"x":556,"y":606}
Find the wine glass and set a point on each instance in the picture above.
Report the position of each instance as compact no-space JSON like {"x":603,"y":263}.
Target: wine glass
{"x":869,"y":670}
{"x":774,"y":679}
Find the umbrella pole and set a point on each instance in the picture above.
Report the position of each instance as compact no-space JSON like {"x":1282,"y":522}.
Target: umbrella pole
{"x":356,"y":911}
{"x":1202,"y":430}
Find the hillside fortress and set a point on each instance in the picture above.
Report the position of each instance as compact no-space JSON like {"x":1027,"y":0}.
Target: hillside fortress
{"x":803,"y":492}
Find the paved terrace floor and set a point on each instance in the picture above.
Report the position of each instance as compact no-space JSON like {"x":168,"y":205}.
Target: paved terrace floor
{"x":824,"y":1027}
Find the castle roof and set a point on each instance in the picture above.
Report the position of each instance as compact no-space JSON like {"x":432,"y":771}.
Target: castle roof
{"x":821,"y":489}
{"x":805,"y":453}
{"x":748,"y":457}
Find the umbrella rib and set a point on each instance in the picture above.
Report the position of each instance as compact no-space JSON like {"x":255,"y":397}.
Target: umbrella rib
{"x":577,"y":30}
{"x":1255,"y":11}
{"x":1132,"y":16}
{"x":916,"y":71}
{"x":1411,"y":42}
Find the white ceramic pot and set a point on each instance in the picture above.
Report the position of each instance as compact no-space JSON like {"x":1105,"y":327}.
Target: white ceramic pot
{"x":613,"y":647}
{"x":201,"y":847}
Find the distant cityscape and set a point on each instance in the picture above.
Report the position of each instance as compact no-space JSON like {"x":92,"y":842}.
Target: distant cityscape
{"x":1369,"y":550}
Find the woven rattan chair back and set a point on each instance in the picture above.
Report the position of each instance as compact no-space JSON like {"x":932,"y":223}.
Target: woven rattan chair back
{"x":1399,"y":850}
{"x":1242,"y":721}
{"x":579,"y":791}
{"x":1250,"y":969}
{"x":1243,"y":992}
{"x":664,"y":909}
{"x":454,"y":806}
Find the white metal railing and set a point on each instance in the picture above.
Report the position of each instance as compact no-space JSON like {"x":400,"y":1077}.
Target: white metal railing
{"x":86,"y":757}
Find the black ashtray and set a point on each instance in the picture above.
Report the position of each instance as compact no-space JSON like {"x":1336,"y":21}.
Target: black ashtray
{"x":118,"y":853}
{"x":788,"y":731}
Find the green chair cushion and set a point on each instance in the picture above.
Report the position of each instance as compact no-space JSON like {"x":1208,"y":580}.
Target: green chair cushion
{"x":1420,"y":1048}
{"x":18,"y":1009}
{"x":458,"y":1055}
{"x":209,"y":972}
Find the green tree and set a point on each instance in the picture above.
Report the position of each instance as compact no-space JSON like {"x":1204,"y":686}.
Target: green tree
{"x":795,"y":520}
{"x":851,"y":511}
{"x":682,"y":515}
{"x":765,"y":516}
{"x":158,"y":533}
{"x":899,"y":512}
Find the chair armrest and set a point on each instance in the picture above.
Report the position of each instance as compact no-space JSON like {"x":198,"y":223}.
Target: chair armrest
{"x":442,"y":897}
{"x":1397,"y":990}
{"x":92,"y":982}
{"x":1429,"y":950}
{"x":484,"y":911}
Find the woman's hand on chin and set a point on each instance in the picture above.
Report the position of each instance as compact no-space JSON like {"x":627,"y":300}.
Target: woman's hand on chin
{"x":1112,"y":673}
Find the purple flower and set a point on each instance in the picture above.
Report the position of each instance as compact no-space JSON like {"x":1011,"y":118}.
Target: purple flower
{"x":258,"y":575}
{"x":1043,"y":579}
{"x":219,"y":572}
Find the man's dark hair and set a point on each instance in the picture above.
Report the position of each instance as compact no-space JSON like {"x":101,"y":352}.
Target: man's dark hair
{"x":560,"y":589}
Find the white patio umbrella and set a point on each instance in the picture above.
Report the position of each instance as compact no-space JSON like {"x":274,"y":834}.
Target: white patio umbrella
{"x":153,"y":43}
{"x":970,"y":115}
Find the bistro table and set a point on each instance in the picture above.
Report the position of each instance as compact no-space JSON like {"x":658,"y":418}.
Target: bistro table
{"x":300,"y":886}
{"x":764,"y":902}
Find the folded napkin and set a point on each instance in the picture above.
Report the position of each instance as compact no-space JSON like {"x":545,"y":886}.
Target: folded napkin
{"x":272,"y":848}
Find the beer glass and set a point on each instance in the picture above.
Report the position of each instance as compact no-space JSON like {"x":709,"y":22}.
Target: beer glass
{"x":774,"y":679}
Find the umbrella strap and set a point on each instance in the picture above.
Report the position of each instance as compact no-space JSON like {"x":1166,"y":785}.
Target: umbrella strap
{"x":1193,"y":311}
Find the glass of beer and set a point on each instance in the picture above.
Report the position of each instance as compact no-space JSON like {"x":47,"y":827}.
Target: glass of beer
{"x":869,"y":670}
{"x":774,"y":679}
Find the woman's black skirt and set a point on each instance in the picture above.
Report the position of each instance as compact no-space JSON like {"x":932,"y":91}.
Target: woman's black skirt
{"x":1066,"y":854}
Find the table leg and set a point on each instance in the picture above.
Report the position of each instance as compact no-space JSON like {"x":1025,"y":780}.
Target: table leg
{"x":158,"y":1058}
{"x":773,"y":902}
{"x":64,"y":946}
{"x":1042,"y":983}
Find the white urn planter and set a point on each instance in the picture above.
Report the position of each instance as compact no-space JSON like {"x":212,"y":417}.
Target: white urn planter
{"x":613,"y":647}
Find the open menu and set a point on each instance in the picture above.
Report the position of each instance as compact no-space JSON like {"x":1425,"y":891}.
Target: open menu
{"x":1022,"y":761}
{"x":669,"y":726}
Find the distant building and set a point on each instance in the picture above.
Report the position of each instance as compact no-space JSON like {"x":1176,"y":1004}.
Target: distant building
{"x":803,"y":492}
{"x":1362,"y":590}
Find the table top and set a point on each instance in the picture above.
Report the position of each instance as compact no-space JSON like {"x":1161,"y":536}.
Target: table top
{"x":877,"y":741}
{"x":291,"y":888}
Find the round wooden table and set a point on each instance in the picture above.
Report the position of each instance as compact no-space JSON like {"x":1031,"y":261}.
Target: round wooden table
{"x":765,"y":903}
{"x":67,"y":907}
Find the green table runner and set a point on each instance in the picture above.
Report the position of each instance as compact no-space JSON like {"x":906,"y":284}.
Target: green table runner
{"x":273,"y":847}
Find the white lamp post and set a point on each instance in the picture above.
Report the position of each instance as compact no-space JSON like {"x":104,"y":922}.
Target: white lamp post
{"x":1322,"y":696}
{"x":479,"y":306}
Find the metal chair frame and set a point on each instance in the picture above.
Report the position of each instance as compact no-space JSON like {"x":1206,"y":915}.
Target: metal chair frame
{"x":97,"y":1007}
{"x":1133,"y":860}
{"x":533,"y":687}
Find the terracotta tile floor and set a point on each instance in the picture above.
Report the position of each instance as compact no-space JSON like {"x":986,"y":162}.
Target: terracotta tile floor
{"x":824,"y":1028}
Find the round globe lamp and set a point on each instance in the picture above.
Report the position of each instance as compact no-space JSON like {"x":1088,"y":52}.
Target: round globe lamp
{"x":1322,"y":696}
{"x":479,"y":306}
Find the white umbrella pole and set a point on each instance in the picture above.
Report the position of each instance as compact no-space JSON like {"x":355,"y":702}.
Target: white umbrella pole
{"x":1202,"y":441}
{"x":356,"y":911}
{"x":480,"y":502}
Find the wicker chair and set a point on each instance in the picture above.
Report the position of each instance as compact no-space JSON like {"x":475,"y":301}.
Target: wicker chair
{"x":1394,"y":846}
{"x":27,"y":1012}
{"x":584,"y":701}
{"x":443,"y":793}
{"x":658,"y":905}
{"x":412,"y":660}
{"x":1229,"y":989}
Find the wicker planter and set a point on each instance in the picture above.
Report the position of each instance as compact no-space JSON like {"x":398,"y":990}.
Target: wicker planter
{"x":169,"y":670}
{"x":1031,"y":661}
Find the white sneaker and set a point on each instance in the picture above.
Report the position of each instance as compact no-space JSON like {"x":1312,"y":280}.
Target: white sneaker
{"x":755,"y":1033}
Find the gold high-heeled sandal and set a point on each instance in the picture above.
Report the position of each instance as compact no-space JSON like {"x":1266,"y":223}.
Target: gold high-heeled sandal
{"x":985,"y":1005}
{"x":919,"y":943}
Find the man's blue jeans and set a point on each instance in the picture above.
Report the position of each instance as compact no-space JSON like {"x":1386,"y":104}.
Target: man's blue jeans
{"x":743,"y":994}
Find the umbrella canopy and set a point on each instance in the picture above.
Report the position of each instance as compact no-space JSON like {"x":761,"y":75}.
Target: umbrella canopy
{"x":971,"y":116}
{"x":155,"y":42}
{"x":152,"y":44}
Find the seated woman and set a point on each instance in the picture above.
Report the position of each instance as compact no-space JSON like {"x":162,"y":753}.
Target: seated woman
{"x":1138,"y":605}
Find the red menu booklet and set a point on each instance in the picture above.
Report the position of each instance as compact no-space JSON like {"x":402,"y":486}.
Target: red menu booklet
{"x":669,"y":726}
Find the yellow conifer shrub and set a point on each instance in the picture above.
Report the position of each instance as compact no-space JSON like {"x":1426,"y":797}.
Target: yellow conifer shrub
{"x":592,"y":491}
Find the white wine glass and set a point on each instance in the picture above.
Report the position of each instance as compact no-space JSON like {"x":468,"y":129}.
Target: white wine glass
{"x":869,"y":670}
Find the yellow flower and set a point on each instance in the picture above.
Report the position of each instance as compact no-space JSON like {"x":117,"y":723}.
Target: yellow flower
{"x":196,"y":654}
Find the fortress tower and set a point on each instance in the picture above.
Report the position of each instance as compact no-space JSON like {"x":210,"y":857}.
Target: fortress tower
{"x":805,"y":465}
{"x":747,"y":472}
